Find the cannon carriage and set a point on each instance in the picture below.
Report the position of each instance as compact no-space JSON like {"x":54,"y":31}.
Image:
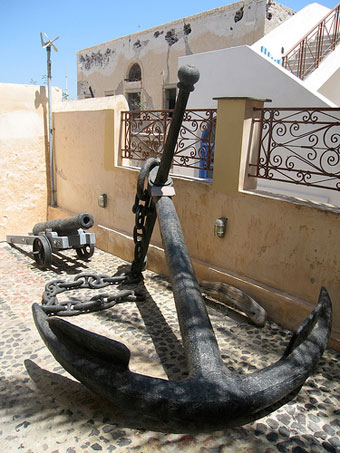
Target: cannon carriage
{"x":59,"y":234}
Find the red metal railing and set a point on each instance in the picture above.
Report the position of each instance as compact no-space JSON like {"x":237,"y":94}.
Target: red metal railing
{"x":145,"y":132}
{"x":300,"y":146}
{"x":307,"y":54}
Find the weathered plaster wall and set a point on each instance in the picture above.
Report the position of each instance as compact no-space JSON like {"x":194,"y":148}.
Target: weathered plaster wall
{"x":281,"y":252}
{"x":276,"y":14}
{"x":23,"y":156}
{"x":104,"y":67}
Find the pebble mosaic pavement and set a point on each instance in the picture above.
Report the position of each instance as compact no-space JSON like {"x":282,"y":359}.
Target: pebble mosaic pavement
{"x":44,"y":409}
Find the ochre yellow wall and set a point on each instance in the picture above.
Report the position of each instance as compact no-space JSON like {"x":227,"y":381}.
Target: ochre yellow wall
{"x":23,"y":156}
{"x":279,"y":251}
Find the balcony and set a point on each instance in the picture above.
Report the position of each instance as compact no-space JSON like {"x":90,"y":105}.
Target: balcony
{"x":145,"y":132}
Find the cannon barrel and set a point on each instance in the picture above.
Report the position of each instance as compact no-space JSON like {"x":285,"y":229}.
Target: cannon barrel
{"x":65,"y":226}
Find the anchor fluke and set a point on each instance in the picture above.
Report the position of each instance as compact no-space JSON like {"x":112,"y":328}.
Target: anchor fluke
{"x":102,"y":347}
{"x":196,"y":404}
{"x":66,"y":335}
{"x":322,"y":310}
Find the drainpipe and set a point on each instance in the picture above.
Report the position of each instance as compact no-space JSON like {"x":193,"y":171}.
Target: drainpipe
{"x":50,"y":126}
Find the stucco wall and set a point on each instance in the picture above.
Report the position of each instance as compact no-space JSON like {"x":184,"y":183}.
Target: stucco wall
{"x":105,"y":67}
{"x":330,"y":89}
{"x":86,"y":143}
{"x":279,"y":251}
{"x":242,"y":71}
{"x":326,"y":77}
{"x":292,"y":30}
{"x":23,"y":154}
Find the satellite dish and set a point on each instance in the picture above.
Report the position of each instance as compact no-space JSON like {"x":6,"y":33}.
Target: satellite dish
{"x":49,"y":42}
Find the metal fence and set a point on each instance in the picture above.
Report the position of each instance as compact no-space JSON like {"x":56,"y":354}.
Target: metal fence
{"x":145,"y":132}
{"x":307,"y":54}
{"x":300,"y":146}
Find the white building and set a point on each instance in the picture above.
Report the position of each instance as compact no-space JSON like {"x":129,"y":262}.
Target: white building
{"x":255,"y":71}
{"x":143,"y":66}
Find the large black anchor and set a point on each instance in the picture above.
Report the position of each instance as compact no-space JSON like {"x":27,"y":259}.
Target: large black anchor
{"x":211,"y":398}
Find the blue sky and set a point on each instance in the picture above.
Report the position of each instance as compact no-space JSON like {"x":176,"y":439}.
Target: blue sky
{"x":82,"y":24}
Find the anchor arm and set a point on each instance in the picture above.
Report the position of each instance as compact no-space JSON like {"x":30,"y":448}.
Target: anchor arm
{"x":196,"y":404}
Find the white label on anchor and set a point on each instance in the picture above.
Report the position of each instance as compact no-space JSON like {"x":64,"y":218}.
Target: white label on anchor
{"x":162,"y":191}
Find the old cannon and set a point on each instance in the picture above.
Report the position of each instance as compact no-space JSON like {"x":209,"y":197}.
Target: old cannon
{"x":211,"y":397}
{"x":59,"y":234}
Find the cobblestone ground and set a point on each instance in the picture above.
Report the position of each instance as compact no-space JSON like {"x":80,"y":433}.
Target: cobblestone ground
{"x":43,"y":408}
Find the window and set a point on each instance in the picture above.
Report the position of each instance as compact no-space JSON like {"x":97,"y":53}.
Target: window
{"x":207,"y":148}
{"x":134,"y":100}
{"x":170,"y":98}
{"x":135,"y":73}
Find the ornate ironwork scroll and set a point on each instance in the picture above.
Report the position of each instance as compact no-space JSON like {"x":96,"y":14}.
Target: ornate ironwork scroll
{"x":146,"y":132}
{"x":300,"y":146}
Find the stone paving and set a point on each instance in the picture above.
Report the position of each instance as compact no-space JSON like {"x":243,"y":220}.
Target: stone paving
{"x":43,"y":408}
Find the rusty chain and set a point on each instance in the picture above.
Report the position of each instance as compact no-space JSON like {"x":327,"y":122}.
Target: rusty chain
{"x":52,"y":306}
{"x":141,"y":208}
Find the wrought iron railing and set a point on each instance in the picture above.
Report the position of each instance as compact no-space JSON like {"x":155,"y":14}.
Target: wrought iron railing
{"x":145,"y":132}
{"x":300,"y":146}
{"x":307,"y":54}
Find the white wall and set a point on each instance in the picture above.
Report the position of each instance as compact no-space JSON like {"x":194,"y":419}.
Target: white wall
{"x":326,"y":77}
{"x":243,"y":72}
{"x":331,"y":89}
{"x":292,"y":30}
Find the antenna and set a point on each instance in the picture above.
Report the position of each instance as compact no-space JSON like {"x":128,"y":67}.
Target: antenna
{"x":47,"y":44}
{"x":66,"y":88}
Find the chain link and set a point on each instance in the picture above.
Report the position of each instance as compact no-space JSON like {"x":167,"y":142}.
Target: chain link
{"x":52,"y":306}
{"x":141,"y":209}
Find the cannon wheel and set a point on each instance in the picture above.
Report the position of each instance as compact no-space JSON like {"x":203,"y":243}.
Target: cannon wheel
{"x":42,"y":251}
{"x":85,"y":252}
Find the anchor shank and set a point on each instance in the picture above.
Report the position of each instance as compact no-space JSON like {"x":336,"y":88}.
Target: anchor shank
{"x":171,"y":141}
{"x":188,"y":76}
{"x":202,"y":352}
